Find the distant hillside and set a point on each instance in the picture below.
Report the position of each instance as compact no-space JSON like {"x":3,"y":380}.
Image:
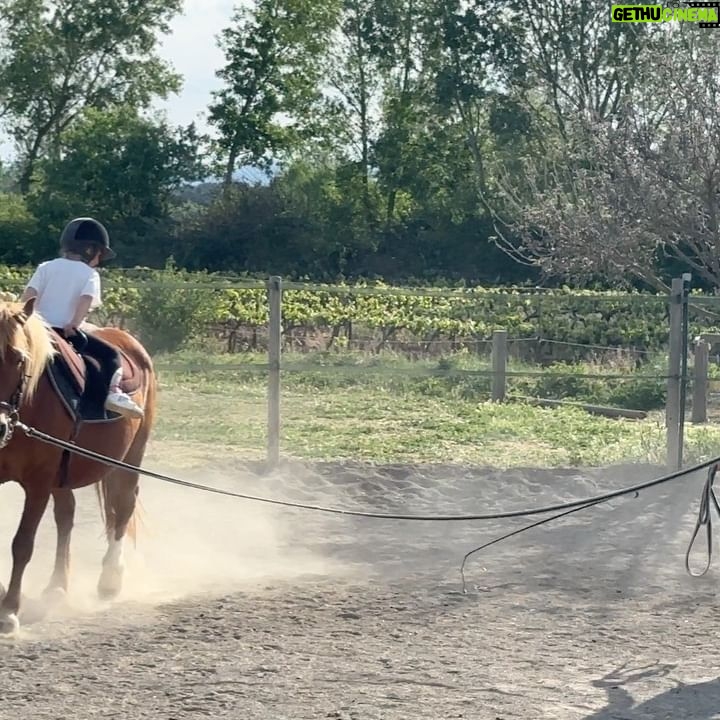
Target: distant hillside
{"x":205,"y":192}
{"x":202,"y":194}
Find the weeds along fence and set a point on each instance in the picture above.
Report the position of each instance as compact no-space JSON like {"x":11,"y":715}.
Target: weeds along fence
{"x":676,"y":307}
{"x":616,"y":354}
{"x":619,"y":354}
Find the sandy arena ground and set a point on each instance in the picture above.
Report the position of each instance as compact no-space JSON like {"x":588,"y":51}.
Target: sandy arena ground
{"x":238,"y":610}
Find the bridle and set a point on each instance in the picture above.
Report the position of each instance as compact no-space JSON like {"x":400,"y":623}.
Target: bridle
{"x":13,"y":405}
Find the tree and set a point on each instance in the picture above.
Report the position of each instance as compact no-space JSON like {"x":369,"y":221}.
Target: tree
{"x":122,"y":168}
{"x":576,"y":62}
{"x":511,"y":75}
{"x":400,"y":44}
{"x":8,"y":177}
{"x":353,"y":89}
{"x":271,"y":80}
{"x":449,"y":120}
{"x":308,"y":221}
{"x":59,"y":58}
{"x":644,"y":186}
{"x":474,"y":57}
{"x":18,"y":229}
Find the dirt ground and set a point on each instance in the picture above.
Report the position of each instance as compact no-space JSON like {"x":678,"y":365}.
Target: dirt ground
{"x":238,"y":610}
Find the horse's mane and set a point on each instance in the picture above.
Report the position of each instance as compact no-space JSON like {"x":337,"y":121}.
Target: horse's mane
{"x":29,"y":336}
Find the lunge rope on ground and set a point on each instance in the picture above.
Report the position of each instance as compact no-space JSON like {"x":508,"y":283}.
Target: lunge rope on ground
{"x":561,"y":509}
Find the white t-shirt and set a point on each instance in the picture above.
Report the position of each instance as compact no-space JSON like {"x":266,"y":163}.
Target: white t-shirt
{"x":60,"y":283}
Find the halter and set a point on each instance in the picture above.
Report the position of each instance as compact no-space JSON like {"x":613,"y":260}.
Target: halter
{"x":12,"y":406}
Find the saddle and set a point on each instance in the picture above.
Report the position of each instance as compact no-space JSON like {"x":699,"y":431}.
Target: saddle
{"x":83,"y":398}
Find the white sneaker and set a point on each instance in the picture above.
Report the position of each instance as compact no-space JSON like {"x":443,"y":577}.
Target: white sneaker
{"x":124,"y":405}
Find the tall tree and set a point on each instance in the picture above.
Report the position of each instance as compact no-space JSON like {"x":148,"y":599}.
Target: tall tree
{"x":400,"y":43}
{"x":58,"y":58}
{"x":638,"y":189}
{"x":353,"y":91}
{"x":121,"y":167}
{"x":271,"y":79}
{"x":579,"y":64}
{"x":465,"y":43}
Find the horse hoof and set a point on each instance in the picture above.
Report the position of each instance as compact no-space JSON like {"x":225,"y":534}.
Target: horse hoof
{"x":34,"y":611}
{"x":110,"y":585}
{"x":107,"y":593}
{"x":53,"y":596}
{"x":9,"y":624}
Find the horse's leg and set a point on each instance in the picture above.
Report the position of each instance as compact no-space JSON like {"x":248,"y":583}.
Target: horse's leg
{"x":64,"y":510}
{"x":120,"y":489}
{"x":119,"y":497}
{"x":36,"y":501}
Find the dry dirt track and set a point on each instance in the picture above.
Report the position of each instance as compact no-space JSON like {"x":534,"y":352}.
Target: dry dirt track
{"x":234,"y":610}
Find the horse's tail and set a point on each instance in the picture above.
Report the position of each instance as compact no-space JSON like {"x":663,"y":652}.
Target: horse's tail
{"x":136,"y":519}
{"x":134,"y":455}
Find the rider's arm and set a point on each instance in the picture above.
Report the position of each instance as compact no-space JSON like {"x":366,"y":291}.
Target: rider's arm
{"x":81,"y":310}
{"x":36,"y":284}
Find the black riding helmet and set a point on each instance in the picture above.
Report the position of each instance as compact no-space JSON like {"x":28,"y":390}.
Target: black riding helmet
{"x":85,"y":237}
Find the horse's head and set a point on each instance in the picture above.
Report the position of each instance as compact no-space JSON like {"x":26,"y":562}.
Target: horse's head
{"x":25,"y":349}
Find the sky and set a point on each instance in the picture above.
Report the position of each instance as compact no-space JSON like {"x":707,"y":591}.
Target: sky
{"x":192,"y":50}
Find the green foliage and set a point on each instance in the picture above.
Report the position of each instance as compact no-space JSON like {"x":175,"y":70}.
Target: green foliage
{"x":331,"y":415}
{"x":642,"y":393}
{"x":308,"y":222}
{"x":402,"y":139}
{"x":13,"y":279}
{"x":639,"y":393}
{"x":561,"y":381}
{"x":91,"y":54}
{"x":8,"y":177}
{"x":166,"y":313}
{"x":122,"y":169}
{"x":18,"y":229}
{"x":604,"y":319}
{"x":271,"y":53}
{"x":377,"y":310}
{"x":171,"y":309}
{"x":637,"y":389}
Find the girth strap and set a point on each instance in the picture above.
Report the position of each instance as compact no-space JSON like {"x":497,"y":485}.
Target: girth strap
{"x":65,"y":459}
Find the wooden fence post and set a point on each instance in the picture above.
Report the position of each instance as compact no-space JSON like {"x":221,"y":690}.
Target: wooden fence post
{"x":700,"y":382}
{"x":499,"y":364}
{"x":274,"y":286}
{"x":672,"y":403}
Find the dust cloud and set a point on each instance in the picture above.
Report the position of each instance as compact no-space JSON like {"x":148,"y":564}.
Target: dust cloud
{"x":188,"y":543}
{"x":192,"y":543}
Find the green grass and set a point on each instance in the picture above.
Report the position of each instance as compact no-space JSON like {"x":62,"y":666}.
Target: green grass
{"x":378,"y":409}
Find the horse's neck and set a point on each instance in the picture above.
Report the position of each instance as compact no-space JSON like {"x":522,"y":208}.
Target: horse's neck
{"x":44,"y":403}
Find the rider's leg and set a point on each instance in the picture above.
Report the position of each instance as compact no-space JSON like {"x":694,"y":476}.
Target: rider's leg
{"x":111,"y":368}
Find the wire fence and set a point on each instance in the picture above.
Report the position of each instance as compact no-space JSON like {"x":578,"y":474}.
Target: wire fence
{"x":426,"y":333}
{"x":670,"y":328}
{"x":554,"y":340}
{"x":544,"y":325}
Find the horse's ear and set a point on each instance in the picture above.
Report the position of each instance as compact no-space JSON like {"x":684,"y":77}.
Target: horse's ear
{"x":27,"y":311}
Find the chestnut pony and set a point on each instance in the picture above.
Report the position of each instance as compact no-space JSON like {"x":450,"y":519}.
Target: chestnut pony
{"x":26,"y":348}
